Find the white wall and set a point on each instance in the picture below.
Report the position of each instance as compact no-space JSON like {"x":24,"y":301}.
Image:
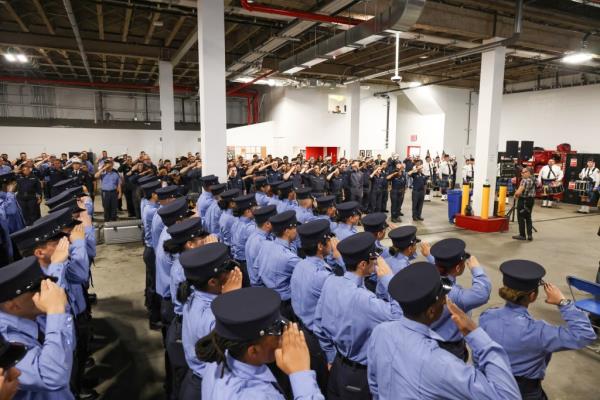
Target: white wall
{"x":35,"y":140}
{"x":428,"y":128}
{"x":551,"y":117}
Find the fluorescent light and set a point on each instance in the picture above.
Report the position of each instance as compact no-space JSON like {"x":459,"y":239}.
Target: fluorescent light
{"x":370,"y":39}
{"x":10,"y":57}
{"x":293,"y":70}
{"x":577,"y":58}
{"x":22,"y":58}
{"x":313,"y":62}
{"x":340,"y":51}
{"x":413,"y":84}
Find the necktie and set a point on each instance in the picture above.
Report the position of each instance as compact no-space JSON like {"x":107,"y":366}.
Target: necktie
{"x":41,"y":336}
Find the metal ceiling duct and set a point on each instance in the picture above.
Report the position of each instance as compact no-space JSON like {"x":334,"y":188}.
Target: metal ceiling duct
{"x":397,"y":15}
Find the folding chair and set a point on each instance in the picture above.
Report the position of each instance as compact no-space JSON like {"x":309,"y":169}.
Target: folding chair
{"x":591,"y":305}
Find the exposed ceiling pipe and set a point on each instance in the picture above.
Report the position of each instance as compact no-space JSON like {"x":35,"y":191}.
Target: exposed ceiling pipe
{"x":254,"y":7}
{"x":282,"y":38}
{"x":75,"y":28}
{"x":240,"y":87}
{"x":465,"y":53}
{"x":397,"y":15}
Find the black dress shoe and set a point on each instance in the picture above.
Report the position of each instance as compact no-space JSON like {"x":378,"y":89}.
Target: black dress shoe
{"x":530,"y":238}
{"x":519,"y":237}
{"x":421,"y":219}
{"x":401,"y":214}
{"x":415,"y":219}
{"x":155,"y":326}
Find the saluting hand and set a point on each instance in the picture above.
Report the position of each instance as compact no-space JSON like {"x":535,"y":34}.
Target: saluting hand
{"x":9,"y":383}
{"x":293,"y":355}
{"x":463,"y":322}
{"x":61,"y":252}
{"x":472,"y":262}
{"x":382,"y":268}
{"x":425,"y":249}
{"x":553,"y":294}
{"x":77,"y":233}
{"x":51,"y":299}
{"x":334,"y":250}
{"x":233,"y":282}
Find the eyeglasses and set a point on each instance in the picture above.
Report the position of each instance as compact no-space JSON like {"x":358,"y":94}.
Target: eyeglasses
{"x":276,"y":329}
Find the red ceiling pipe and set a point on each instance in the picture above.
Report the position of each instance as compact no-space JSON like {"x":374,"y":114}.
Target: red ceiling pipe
{"x":299,"y":14}
{"x":244,"y":85}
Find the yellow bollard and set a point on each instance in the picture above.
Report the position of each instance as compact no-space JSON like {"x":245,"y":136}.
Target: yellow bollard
{"x":485,"y":202}
{"x":465,"y":199}
{"x":502,"y":200}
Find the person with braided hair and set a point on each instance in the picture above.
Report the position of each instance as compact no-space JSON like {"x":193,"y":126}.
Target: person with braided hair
{"x":250,"y":333}
{"x":209,"y":271}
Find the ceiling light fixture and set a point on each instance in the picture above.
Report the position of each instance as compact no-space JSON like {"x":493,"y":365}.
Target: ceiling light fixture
{"x":578,"y":57}
{"x":10,"y":57}
{"x":396,"y":77}
{"x":22,"y":58}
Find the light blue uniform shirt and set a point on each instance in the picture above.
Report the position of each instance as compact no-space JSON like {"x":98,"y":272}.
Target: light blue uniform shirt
{"x":90,"y":241}
{"x":529,"y":342}
{"x":241,"y":230}
{"x":286,"y":205}
{"x":177,"y":277}
{"x":406,"y":362}
{"x":143,"y":203}
{"x":261,"y":199}
{"x":211,"y":219}
{"x":342,"y":231}
{"x":164,"y":261}
{"x":12,"y":210}
{"x":466,"y":300}
{"x":275,"y":266}
{"x":45,"y":369}
{"x":156,"y":228}
{"x":245,"y":381}
{"x":304,"y":215}
{"x":198,"y":321}
{"x":332,"y":224}
{"x":346,"y":314}
{"x":253,"y":246}
{"x":398,"y":262}
{"x":307,"y":281}
{"x":225,"y":222}
{"x":77,"y":274}
{"x":5,"y":234}
{"x":89,"y":206}
{"x":274,"y":201}
{"x":205,"y":199}
{"x":147,"y":219}
{"x":110,"y":180}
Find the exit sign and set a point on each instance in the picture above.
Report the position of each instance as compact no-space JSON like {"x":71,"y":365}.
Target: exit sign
{"x":413,"y":138}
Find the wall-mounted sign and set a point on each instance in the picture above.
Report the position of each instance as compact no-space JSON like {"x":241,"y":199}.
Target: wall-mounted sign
{"x":413,"y":138}
{"x":573,"y":162}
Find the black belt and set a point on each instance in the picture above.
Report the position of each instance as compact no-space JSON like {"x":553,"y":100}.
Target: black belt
{"x":528,"y":383}
{"x":350,"y":363}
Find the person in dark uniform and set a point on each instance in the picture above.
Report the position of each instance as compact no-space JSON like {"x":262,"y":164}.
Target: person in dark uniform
{"x":111,"y":190}
{"x":398,"y":183}
{"x":378,"y":186}
{"x":29,"y":194}
{"x":336,"y":183}
{"x":419,"y":183}
{"x":10,"y":355}
{"x":366,"y":187}
{"x":317,"y":181}
{"x":530,"y":342}
{"x":525,"y":195}
{"x":128,"y":184}
{"x":234,"y":178}
{"x":53,"y":174}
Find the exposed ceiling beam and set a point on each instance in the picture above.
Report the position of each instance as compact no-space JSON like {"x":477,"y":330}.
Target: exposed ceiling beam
{"x":126,"y":23}
{"x":174,"y":31}
{"x":184,"y":73}
{"x":42,"y":13}
{"x":100,"y":15}
{"x":187,"y":44}
{"x":11,"y":11}
{"x":151,"y":27}
{"x":121,"y":69}
{"x":68,"y":61}
{"x":49,"y":61}
{"x":138,"y":67}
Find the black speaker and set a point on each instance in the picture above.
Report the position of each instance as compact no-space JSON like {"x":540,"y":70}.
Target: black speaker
{"x":526,"y":150}
{"x":512,"y":148}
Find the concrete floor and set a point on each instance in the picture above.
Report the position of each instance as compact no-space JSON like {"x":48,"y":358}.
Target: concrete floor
{"x":130,"y":356}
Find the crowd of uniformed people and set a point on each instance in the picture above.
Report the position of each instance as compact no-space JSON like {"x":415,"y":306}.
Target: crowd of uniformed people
{"x":263,"y":287}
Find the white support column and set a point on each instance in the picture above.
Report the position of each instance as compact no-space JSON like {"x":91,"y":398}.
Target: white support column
{"x":354,"y":90}
{"x":167,"y":109}
{"x":211,"y":63}
{"x":488,"y":126}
